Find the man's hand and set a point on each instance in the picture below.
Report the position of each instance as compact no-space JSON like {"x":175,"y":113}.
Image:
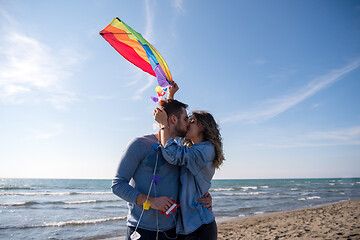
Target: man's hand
{"x":160,"y":116}
{"x":172,"y":90}
{"x":161,"y":203}
{"x":206,"y":200}
{"x":157,"y":203}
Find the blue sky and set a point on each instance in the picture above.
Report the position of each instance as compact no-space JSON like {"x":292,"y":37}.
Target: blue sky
{"x":280,"y":77}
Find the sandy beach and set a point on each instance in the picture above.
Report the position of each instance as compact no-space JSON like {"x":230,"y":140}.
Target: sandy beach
{"x":335,"y":221}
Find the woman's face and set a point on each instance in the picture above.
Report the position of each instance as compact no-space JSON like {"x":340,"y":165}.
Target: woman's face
{"x":195,"y":129}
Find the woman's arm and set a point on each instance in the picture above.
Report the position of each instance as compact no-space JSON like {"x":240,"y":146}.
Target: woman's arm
{"x":194,"y":158}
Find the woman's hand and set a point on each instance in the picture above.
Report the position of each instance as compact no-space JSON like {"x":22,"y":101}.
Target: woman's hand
{"x":160,"y":116}
{"x":172,"y":90}
{"x":161,"y":203}
{"x":206,"y":200}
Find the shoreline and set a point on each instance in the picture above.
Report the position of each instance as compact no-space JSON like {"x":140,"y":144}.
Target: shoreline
{"x":226,"y":219}
{"x":329,"y":221}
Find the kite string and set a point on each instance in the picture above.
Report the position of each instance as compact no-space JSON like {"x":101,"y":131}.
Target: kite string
{"x":147,"y":197}
{"x":157,"y":212}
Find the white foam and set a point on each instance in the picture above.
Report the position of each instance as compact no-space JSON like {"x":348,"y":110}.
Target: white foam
{"x":88,"y":201}
{"x":51,"y":193}
{"x":251,"y":187}
{"x":81,"y":222}
{"x":13,"y":204}
{"x":314,"y":197}
{"x":222,"y":189}
{"x":309,"y":198}
{"x":243,"y":194}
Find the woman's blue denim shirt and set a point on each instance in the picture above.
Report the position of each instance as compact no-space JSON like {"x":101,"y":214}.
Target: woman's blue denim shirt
{"x":195,"y":176}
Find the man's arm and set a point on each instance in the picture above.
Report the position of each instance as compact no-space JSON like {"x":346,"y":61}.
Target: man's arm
{"x":130,"y":160}
{"x":172,"y":90}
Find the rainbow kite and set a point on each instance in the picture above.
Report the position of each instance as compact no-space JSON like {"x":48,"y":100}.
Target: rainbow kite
{"x":132,"y":46}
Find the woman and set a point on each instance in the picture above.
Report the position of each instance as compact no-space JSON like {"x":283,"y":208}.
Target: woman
{"x":199,"y":155}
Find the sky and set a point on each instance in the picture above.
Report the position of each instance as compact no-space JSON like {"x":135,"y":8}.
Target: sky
{"x":282,"y":78}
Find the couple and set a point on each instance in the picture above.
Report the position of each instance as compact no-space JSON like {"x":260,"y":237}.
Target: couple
{"x":161,"y":168}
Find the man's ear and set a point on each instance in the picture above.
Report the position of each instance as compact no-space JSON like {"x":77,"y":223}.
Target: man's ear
{"x":173,"y":119}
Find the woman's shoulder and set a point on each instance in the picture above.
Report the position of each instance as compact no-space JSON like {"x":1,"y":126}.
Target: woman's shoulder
{"x":205,"y":147}
{"x":205,"y":144}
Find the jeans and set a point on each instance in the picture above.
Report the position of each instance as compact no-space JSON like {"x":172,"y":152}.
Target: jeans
{"x":204,"y":232}
{"x":151,"y":235}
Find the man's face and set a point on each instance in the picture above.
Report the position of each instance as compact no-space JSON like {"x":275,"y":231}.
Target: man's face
{"x":182,"y":125}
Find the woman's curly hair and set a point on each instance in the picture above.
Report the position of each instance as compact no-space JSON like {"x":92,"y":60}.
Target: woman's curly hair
{"x":211,"y":133}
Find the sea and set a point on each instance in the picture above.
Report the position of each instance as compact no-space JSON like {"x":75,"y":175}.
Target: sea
{"x":87,"y":209}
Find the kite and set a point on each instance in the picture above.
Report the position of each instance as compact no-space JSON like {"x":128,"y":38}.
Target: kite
{"x":133,"y":47}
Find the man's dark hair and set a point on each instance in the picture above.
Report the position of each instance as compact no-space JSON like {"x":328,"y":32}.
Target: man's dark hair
{"x":172,"y":106}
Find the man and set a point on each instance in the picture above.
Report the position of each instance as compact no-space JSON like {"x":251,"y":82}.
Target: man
{"x":143,"y":171}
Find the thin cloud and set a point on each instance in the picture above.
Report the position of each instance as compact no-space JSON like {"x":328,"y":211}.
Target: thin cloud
{"x":149,"y":21}
{"x":61,"y":100}
{"x":274,"y":107}
{"x":340,"y":137}
{"x":150,"y":81}
{"x":48,"y":132}
{"x":345,"y":135}
{"x":139,"y":77}
{"x":31,"y":71}
{"x":259,"y":62}
{"x":178,"y":5}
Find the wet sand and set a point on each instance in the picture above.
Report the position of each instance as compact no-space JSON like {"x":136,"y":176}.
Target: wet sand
{"x":335,"y":221}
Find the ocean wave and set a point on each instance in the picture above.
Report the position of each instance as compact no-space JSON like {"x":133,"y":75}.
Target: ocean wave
{"x":258,"y":213}
{"x":88,"y":201}
{"x":251,"y":187}
{"x":236,"y":188}
{"x":244,"y":194}
{"x":69,"y":223}
{"x":309,"y":198}
{"x":221,"y":189}
{"x":14,"y":188}
{"x":31,"y":203}
{"x":19,"y":204}
{"x":51,"y":193}
{"x":81,"y":222}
